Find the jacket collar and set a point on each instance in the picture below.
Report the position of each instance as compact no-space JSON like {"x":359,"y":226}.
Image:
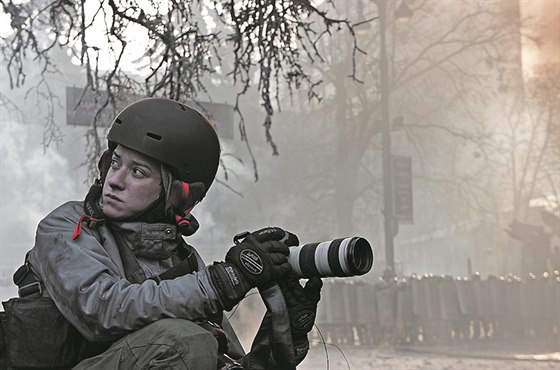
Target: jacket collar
{"x":154,"y":241}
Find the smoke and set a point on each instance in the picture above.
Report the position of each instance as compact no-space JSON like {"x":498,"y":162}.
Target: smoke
{"x":33,"y":182}
{"x":217,"y":214}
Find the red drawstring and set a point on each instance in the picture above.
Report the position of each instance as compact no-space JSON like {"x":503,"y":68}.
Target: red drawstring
{"x":181,"y":197}
{"x":78,"y":229}
{"x":186,"y":189}
{"x":181,"y":221}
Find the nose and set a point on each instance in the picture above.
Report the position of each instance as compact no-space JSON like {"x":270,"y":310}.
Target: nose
{"x":116,"y":179}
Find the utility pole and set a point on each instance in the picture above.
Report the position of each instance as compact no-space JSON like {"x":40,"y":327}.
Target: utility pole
{"x":388,"y":203}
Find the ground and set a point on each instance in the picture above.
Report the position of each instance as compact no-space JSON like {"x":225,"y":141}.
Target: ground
{"x":480,"y":354}
{"x":362,"y":358}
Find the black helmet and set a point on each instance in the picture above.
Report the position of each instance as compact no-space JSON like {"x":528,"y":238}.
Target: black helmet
{"x":174,"y":134}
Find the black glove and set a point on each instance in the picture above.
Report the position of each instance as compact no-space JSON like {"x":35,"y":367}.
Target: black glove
{"x":302,"y":303}
{"x":256,"y":260}
{"x":269,"y":351}
{"x":261,"y":259}
{"x":302,"y":310}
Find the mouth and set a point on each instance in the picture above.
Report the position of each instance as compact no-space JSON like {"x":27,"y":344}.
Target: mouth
{"x":113,"y":197}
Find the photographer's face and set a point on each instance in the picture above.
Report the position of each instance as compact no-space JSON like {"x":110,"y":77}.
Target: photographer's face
{"x":132,"y":184}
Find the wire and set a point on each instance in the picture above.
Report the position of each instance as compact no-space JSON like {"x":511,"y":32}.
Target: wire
{"x":325,"y":344}
{"x":237,"y":305}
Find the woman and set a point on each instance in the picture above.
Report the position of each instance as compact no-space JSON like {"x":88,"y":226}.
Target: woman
{"x":110,"y":282}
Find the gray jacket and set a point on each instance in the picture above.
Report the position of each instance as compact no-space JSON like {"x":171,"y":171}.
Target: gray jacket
{"x":86,"y":280}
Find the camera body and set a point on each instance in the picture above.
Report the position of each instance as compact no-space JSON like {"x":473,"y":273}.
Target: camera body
{"x":336,"y":258}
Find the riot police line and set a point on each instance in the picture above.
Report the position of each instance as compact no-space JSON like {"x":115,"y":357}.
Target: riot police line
{"x":439,"y":309}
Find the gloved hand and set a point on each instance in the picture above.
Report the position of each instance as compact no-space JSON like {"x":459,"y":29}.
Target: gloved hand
{"x":256,"y":260}
{"x":269,"y":351}
{"x":302,"y":304}
{"x":260,"y":257}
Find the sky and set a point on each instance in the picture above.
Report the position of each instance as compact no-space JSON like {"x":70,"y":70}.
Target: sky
{"x":544,"y":19}
{"x":543,"y":26}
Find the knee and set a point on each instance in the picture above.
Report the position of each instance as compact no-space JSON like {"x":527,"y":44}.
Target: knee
{"x":185,"y":337}
{"x":179,"y":329}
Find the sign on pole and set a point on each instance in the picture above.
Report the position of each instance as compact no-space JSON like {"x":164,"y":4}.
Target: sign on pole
{"x":82,"y":107}
{"x":402,"y":182}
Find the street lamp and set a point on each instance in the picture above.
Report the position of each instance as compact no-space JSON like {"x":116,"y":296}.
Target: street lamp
{"x":403,"y":13}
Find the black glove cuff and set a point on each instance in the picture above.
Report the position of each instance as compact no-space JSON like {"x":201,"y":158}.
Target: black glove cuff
{"x":230,"y":285}
{"x":262,"y":361}
{"x":301,"y":347}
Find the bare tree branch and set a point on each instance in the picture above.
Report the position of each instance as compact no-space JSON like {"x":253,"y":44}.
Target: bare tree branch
{"x":266,"y":37}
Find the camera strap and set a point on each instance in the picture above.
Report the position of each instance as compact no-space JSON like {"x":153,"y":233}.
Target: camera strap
{"x":282,"y":346}
{"x":186,"y":266}
{"x":26,"y":281}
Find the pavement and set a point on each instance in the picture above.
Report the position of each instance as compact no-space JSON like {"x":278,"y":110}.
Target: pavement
{"x":548,"y":351}
{"x":424,"y":357}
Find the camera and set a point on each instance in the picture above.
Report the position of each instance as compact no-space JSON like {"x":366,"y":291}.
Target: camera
{"x":343,"y":257}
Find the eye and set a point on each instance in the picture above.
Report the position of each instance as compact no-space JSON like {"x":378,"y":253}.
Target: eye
{"x":139,"y":172}
{"x":114,"y":163}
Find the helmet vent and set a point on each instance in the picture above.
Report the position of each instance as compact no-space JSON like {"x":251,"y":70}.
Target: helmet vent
{"x":153,"y":136}
{"x":182,"y":107}
{"x":118,"y":121}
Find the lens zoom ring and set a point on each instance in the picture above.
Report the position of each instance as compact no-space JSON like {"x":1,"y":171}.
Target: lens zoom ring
{"x":307,"y":260}
{"x":334,"y":259}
